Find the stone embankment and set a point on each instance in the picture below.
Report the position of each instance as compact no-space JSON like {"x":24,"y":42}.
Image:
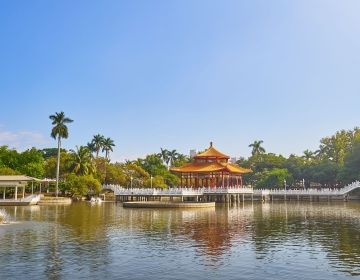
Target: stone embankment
{"x":160,"y":204}
{"x":52,"y":200}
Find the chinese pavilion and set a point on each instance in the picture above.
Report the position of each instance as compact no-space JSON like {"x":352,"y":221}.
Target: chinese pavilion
{"x":211,"y":169}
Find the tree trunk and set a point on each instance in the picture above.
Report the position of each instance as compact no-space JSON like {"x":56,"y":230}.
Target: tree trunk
{"x":58,"y":167}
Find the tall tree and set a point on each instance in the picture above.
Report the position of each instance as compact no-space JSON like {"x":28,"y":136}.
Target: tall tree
{"x":257,"y":149}
{"x":107,"y":147}
{"x":164,"y":155}
{"x":58,"y":132}
{"x":173,"y":155}
{"x":82,"y":161}
{"x":98,"y":143}
{"x":308,"y":155}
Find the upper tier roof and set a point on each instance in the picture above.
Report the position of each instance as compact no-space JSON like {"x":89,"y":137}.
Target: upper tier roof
{"x":211,"y":152}
{"x":207,"y":167}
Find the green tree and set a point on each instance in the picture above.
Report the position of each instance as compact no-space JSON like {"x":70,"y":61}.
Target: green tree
{"x":164,"y":155}
{"x":82,"y":161}
{"x":351,"y":170}
{"x":157,"y":182}
{"x":65,"y":165}
{"x":308,"y":155}
{"x":50,"y":152}
{"x":325,"y":172}
{"x":59,"y":131}
{"x":8,"y":171}
{"x":153,"y":165}
{"x":82,"y":185}
{"x":336,"y":147}
{"x":107,"y":147}
{"x":173,"y":155}
{"x":275,"y":178}
{"x":98,"y":142}
{"x":31,"y":162}
{"x":257,"y":149}
{"x":9,"y":157}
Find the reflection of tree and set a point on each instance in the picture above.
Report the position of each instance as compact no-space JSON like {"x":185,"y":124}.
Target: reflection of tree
{"x":333,"y":227}
{"x":60,"y":236}
{"x":84,"y":237}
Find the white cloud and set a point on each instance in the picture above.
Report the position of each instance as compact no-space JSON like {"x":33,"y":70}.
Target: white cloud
{"x":22,"y":140}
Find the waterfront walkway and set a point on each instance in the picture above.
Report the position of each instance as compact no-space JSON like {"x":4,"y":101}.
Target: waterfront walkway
{"x":231,"y":194}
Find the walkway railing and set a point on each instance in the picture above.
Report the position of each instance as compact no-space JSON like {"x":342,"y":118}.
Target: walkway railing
{"x":118,"y":190}
{"x":311,"y":192}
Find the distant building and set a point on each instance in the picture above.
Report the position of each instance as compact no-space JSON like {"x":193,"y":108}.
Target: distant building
{"x":233,"y":160}
{"x":193,"y":153}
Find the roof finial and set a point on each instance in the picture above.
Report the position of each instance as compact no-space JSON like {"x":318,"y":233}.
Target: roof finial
{"x":211,"y":144}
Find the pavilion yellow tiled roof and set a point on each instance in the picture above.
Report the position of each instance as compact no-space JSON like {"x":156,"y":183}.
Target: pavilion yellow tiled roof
{"x":211,"y":152}
{"x":210,"y":161}
{"x":207,"y":167}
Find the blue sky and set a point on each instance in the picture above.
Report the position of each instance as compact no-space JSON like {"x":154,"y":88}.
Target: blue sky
{"x":178,"y":74}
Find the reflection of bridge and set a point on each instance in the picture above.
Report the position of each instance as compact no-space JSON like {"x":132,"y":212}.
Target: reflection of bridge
{"x":231,"y":194}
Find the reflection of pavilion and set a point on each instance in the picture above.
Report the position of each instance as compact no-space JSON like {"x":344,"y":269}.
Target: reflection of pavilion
{"x":211,"y":169}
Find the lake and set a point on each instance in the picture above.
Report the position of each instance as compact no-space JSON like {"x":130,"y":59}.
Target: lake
{"x":247,"y":241}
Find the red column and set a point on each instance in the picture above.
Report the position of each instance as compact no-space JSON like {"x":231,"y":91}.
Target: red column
{"x":222,"y":175}
{"x":181,"y":182}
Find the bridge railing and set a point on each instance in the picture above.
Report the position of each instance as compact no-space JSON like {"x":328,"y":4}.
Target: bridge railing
{"x":323,"y":191}
{"x":185,"y":191}
{"x":118,"y":190}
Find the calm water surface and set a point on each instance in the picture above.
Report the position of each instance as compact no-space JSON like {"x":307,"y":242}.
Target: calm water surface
{"x":248,"y":241}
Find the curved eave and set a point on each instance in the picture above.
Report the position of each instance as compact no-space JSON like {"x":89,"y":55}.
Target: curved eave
{"x":210,"y":167}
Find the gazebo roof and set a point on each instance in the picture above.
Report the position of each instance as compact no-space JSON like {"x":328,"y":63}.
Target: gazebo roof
{"x":17,"y":178}
{"x":211,"y":152}
{"x":206,"y":167}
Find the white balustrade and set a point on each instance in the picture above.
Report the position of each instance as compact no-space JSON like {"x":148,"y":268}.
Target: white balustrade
{"x":189,"y":191}
{"x":185,"y":191}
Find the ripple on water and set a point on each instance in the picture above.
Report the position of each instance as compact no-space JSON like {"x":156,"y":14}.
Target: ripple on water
{"x":272,"y":241}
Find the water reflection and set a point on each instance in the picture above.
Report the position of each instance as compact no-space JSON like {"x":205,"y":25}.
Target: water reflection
{"x":61,"y":241}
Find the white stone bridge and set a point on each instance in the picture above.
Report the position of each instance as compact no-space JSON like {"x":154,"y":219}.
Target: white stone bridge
{"x":227,"y":194}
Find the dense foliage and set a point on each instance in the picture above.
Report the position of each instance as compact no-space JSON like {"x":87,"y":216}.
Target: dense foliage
{"x":83,"y":170}
{"x":335,"y":163}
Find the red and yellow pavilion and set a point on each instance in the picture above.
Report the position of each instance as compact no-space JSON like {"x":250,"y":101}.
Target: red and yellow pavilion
{"x":211,"y":169}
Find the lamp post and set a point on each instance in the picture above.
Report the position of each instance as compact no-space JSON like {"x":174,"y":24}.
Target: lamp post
{"x":285,"y":185}
{"x":303,"y":183}
{"x":131,"y":180}
{"x":151,"y":178}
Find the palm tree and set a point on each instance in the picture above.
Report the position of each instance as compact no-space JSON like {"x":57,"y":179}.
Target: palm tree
{"x":107,"y":147}
{"x":256,"y":148}
{"x":164,"y":155}
{"x":308,"y":155}
{"x":91,"y":147}
{"x":98,"y":142}
{"x":82,"y":161}
{"x":59,"y":131}
{"x":173,"y":155}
